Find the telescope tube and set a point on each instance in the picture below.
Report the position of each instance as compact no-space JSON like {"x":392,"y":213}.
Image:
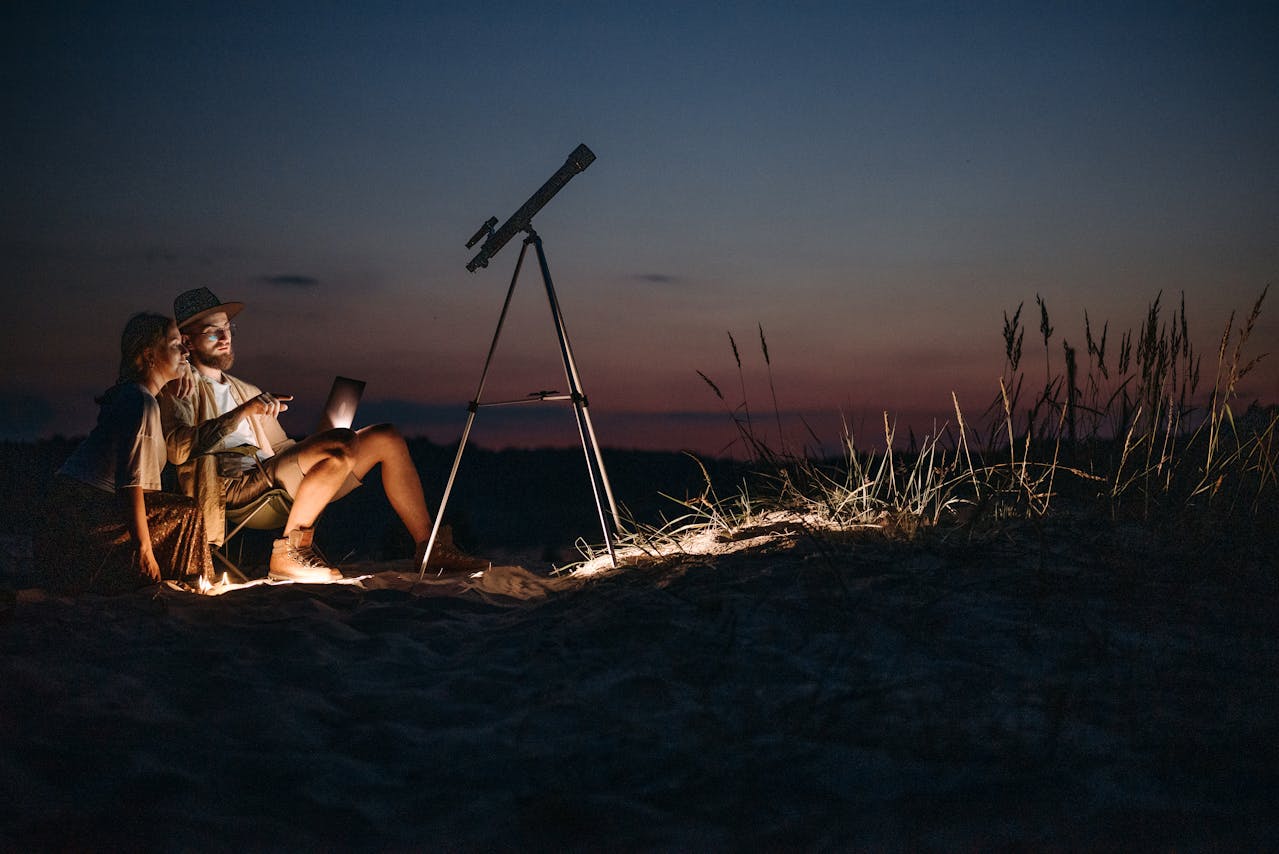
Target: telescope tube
{"x":522,"y":218}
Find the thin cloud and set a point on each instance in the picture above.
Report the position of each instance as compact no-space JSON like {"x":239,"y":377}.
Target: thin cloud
{"x":290,"y":280}
{"x":658,"y":278}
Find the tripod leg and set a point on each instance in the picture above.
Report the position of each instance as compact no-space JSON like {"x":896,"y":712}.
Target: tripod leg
{"x":471,"y":410}
{"x":448,"y":488}
{"x":595,"y":471}
{"x":599,"y":461}
{"x":590,"y":446}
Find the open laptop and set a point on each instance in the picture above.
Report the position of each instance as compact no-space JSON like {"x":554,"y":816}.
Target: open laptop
{"x":344,"y":398}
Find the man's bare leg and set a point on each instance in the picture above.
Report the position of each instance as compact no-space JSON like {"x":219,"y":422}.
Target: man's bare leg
{"x":383,"y":445}
{"x":325,"y":460}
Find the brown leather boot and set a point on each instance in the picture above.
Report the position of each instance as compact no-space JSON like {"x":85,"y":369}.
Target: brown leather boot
{"x":293,"y":558}
{"x":446,"y":557}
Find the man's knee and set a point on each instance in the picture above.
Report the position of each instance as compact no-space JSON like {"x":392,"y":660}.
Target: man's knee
{"x":339,"y":445}
{"x":345,"y":439}
{"x":380,"y":438}
{"x":381,"y":431}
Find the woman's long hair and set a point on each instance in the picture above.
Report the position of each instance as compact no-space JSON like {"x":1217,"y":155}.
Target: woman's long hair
{"x":143,"y":332}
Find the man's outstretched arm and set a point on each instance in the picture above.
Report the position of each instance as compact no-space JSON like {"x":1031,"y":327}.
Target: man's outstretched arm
{"x":185,"y":434}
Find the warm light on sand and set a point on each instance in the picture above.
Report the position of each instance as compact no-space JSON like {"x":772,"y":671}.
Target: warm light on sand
{"x":225,"y":585}
{"x":711,"y":541}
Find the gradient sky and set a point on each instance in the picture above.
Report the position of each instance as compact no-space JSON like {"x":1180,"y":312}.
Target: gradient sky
{"x":875,"y":184}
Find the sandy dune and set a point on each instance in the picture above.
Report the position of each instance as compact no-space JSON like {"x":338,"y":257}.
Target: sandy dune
{"x":785,"y":696}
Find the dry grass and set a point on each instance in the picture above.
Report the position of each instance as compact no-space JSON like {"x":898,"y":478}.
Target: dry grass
{"x":1133,"y":437}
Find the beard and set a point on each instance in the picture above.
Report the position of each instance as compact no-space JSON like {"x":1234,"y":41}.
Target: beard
{"x":217,"y":361}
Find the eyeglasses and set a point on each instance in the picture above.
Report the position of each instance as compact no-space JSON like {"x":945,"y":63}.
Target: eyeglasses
{"x":213,"y":334}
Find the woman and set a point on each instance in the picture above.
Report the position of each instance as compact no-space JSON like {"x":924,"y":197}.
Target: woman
{"x":109,"y":529}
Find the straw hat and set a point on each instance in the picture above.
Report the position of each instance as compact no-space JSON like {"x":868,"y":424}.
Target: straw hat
{"x":192,"y":306}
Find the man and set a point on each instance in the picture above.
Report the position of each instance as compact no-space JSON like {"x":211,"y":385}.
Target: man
{"x":229,"y":448}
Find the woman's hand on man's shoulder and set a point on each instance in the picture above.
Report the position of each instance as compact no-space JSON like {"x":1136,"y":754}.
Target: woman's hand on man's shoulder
{"x":182,"y":387}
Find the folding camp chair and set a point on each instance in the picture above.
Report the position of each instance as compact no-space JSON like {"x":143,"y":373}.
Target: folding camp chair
{"x":267,"y":512}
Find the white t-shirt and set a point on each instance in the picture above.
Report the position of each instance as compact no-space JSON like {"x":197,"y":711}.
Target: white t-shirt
{"x":243,"y":433}
{"x":126,"y":448}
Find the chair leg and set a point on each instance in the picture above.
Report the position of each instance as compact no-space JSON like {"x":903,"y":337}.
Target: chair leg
{"x":232,"y":568}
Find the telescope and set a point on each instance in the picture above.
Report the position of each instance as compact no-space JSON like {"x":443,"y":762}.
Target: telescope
{"x":522,"y":219}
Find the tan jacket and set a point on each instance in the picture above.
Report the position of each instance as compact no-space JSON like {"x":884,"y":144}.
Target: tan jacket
{"x":193,"y":429}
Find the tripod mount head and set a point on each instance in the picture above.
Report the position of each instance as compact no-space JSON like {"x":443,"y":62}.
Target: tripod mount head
{"x":522,"y":219}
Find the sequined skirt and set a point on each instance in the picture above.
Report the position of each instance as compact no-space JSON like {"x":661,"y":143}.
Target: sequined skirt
{"x":83,"y":544}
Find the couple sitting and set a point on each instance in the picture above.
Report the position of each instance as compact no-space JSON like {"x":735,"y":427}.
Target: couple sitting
{"x":110,"y":528}
{"x":213,"y":413}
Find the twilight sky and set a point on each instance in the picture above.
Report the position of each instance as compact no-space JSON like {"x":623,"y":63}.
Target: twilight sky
{"x":875,"y":184}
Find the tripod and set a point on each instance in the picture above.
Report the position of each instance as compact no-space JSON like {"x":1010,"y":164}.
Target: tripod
{"x":590,"y":445}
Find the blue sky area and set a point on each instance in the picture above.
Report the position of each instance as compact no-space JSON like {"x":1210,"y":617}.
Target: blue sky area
{"x":874,"y":184}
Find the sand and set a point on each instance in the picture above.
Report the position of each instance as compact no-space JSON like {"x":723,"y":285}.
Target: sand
{"x":792,"y":695}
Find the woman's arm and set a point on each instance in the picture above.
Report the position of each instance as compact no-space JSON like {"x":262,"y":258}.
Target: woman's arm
{"x":135,"y":512}
{"x":185,"y":435}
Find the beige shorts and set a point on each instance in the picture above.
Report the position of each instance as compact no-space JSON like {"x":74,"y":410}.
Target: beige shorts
{"x":282,"y":471}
